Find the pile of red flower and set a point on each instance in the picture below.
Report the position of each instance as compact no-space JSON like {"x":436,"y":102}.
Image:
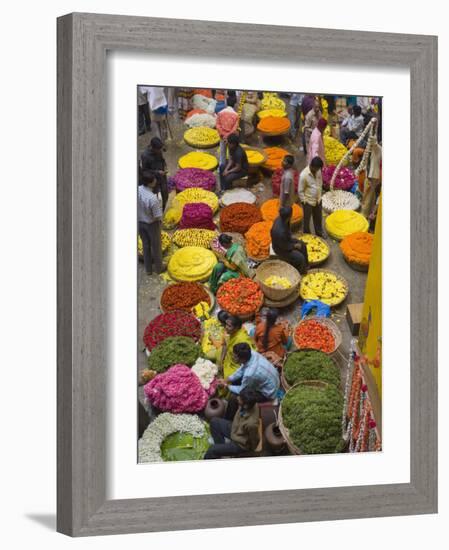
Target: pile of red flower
{"x":276,"y":180}
{"x":197,"y":215}
{"x":183,"y":296}
{"x":173,"y":323}
{"x":239,"y":217}
{"x":314,"y":335}
{"x":241,"y":296}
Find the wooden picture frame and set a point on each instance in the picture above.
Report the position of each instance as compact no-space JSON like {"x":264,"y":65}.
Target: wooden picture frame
{"x":83,"y":40}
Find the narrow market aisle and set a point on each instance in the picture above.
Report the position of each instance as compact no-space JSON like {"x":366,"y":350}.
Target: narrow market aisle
{"x":151,"y":287}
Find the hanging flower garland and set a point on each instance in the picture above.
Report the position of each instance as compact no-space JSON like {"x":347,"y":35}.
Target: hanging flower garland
{"x":358,"y":422}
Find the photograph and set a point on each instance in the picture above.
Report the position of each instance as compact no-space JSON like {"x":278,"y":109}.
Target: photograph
{"x":259,"y":273}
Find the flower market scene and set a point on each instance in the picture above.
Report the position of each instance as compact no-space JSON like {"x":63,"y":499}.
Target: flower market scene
{"x":259,"y":254}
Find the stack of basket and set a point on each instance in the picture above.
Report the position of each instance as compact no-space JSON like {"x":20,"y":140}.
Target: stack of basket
{"x":278,"y":297}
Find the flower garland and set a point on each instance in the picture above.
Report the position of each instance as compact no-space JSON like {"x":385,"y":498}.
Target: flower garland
{"x":344,"y":222}
{"x":192,"y":263}
{"x":206,"y":372}
{"x":194,"y":177}
{"x":197,"y":215}
{"x":162,"y":426}
{"x":270,"y":211}
{"x":358,"y":423}
{"x":173,"y":323}
{"x":197,"y":159}
{"x":344,"y":180}
{"x":239,"y":217}
{"x":195,"y":195}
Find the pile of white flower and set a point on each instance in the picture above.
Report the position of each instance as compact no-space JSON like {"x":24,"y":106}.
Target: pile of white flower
{"x":339,"y":200}
{"x":201,"y":119}
{"x":206,"y":371}
{"x":163,"y":426}
{"x":206,"y":103}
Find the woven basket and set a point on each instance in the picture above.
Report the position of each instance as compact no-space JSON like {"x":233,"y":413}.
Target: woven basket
{"x":284,"y":382}
{"x":342,"y":279}
{"x":283,"y":429}
{"x":211,"y":298}
{"x":329,"y":324}
{"x":278,"y":267}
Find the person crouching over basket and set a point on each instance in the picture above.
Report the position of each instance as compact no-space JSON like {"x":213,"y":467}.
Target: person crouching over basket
{"x":241,"y":433}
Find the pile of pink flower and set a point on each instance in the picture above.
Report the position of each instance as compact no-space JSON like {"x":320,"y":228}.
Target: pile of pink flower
{"x":178,"y":390}
{"x":345,"y":178}
{"x":194,"y":177}
{"x":197,"y":215}
{"x":227,"y":122}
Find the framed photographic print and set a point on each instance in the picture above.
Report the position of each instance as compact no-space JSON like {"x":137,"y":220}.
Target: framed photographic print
{"x":247,"y":274}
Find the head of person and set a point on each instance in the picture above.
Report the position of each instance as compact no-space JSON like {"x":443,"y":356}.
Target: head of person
{"x":317,"y":106}
{"x":233,"y":142}
{"x":288,"y":162}
{"x":321,"y":125}
{"x":316,"y":164}
{"x":225,"y":240}
{"x":156,"y":145}
{"x":247,"y":398}
{"x":285,"y":213}
{"x":356,"y":110}
{"x":222,"y":316}
{"x":232,"y":324}
{"x":148,"y":179}
{"x":241,"y":353}
{"x":270,"y":320}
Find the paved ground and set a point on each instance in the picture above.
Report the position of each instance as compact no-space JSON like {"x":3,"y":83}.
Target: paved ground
{"x":150,"y":287}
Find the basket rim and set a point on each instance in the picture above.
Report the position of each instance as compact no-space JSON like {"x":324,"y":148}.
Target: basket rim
{"x":332,"y":272}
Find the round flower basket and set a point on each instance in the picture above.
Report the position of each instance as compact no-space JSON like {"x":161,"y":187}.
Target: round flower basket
{"x":237,"y":195}
{"x":203,"y":288}
{"x":202,"y":137}
{"x":336,"y":333}
{"x":198,"y":159}
{"x":287,"y":386}
{"x":277,"y":267}
{"x":337,"y":276}
{"x":339,"y":200}
{"x":305,"y":237}
{"x":283,"y":429}
{"x":249,"y":293}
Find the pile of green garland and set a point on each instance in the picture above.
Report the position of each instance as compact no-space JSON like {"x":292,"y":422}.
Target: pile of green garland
{"x":173,"y":350}
{"x":313,"y":418}
{"x":311,"y":365}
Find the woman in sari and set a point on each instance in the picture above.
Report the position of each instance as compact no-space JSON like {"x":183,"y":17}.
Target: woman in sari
{"x":235,"y":334}
{"x":272,"y":336}
{"x":233,"y":265}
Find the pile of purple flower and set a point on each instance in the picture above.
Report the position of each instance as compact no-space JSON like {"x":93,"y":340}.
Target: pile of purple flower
{"x":197,"y":215}
{"x":194,"y":177}
{"x":345,"y":178}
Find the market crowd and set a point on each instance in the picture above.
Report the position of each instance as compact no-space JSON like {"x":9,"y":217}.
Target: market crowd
{"x":249,"y":359}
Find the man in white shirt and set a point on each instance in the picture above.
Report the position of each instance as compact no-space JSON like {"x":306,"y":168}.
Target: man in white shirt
{"x":310,"y":187}
{"x":149,"y":215}
{"x":352,"y":126}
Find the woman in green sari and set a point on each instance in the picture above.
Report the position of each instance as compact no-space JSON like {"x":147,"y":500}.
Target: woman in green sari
{"x":234,"y":263}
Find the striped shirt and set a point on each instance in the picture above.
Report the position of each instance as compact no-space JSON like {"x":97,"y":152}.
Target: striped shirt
{"x":149,"y":208}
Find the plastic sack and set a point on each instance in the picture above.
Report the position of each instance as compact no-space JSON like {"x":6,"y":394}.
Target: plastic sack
{"x":322,"y":309}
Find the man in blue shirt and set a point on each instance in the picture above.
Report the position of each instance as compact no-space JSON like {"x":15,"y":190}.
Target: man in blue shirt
{"x":256,"y":372}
